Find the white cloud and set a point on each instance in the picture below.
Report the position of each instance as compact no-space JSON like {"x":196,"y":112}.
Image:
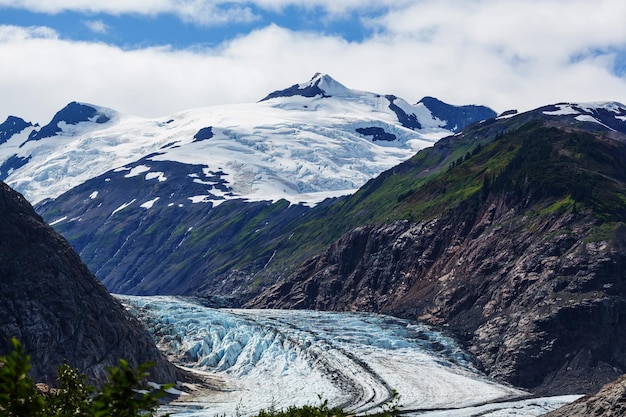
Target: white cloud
{"x":11,"y":33}
{"x":515,"y":54}
{"x":96,"y":26}
{"x":204,"y":12}
{"x":160,"y":6}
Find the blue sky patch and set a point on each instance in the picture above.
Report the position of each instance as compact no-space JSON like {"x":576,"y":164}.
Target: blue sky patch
{"x":131,"y":31}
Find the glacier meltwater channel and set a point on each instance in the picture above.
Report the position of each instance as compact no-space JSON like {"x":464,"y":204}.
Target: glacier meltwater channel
{"x":276,"y":358}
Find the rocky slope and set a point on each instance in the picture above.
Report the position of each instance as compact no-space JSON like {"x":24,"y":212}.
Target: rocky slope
{"x":609,"y":402}
{"x":58,"y":310}
{"x":518,"y":247}
{"x":166,"y":206}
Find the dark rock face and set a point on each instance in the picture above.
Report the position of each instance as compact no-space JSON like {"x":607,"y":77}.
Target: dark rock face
{"x":13,"y":162}
{"x":377,"y":133}
{"x":312,"y":89}
{"x":71,"y":114}
{"x":11,"y":126}
{"x":203,"y":134}
{"x":52,"y":303}
{"x":609,"y":402}
{"x":537,"y":302}
{"x":457,"y":117}
{"x":407,"y":120}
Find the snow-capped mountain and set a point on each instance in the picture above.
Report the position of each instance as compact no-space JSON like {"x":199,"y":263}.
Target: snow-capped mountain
{"x":608,"y":115}
{"x":305,"y":143}
{"x":128,"y":191}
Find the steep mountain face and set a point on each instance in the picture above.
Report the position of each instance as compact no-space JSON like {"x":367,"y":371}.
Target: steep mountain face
{"x":609,"y":402}
{"x":316,"y":140}
{"x":511,"y":234}
{"x":457,"y":117}
{"x":12,"y":126}
{"x":208,"y":192}
{"x":58,"y":310}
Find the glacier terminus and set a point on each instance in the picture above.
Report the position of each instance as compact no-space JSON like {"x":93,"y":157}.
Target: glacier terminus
{"x":258,"y":359}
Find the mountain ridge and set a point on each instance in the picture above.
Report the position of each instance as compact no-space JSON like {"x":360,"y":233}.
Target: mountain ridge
{"x":225,"y":190}
{"x":514,"y":240}
{"x":290,"y":146}
{"x":58,"y":309}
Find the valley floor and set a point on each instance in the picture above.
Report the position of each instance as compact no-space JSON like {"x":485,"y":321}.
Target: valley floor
{"x":277,"y":358}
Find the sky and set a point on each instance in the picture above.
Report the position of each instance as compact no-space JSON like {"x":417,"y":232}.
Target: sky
{"x":152,"y":58}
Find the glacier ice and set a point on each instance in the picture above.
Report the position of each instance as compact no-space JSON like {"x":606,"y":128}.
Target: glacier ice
{"x":279,"y":358}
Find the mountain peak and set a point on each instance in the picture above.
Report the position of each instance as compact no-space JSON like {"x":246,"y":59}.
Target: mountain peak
{"x":72,"y":114}
{"x":12,"y":126}
{"x":322,"y":85}
{"x":609,"y":115}
{"x":456,"y":117}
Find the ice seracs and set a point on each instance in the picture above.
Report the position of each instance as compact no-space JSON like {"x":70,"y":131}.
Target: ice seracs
{"x":280,"y":358}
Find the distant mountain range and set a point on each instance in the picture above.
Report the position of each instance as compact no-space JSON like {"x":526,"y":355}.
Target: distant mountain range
{"x":509,"y":230}
{"x":203,"y":184}
{"x":303,"y":144}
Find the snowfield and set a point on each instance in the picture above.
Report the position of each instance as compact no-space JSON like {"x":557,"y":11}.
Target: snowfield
{"x":277,"y":358}
{"x":298,"y":148}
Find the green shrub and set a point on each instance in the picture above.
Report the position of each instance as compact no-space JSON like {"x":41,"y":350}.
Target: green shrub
{"x":124,"y":394}
{"x":18,"y":394}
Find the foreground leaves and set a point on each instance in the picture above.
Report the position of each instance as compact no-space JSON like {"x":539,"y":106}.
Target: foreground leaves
{"x":124,"y":394}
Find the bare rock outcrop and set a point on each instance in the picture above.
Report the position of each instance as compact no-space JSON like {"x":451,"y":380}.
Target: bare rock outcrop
{"x":540,"y":302}
{"x":58,"y":310}
{"x":610,"y":401}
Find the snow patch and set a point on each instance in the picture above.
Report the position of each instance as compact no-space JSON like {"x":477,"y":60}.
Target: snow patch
{"x":158,"y":175}
{"x":206,"y":199}
{"x":591,"y":119}
{"x":123,"y":206}
{"x":57,"y":221}
{"x":139,"y":169}
{"x":148,"y":204}
{"x":564,"y":110}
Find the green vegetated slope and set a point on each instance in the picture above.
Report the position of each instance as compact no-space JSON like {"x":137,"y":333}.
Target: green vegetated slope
{"x":555,"y":169}
{"x":512,"y":235}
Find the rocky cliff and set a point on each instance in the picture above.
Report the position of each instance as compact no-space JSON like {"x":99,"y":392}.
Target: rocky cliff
{"x":58,"y":310}
{"x":609,"y":402}
{"x":519,"y":249}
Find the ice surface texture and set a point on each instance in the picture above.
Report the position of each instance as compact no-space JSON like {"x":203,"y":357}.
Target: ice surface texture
{"x":283,"y":358}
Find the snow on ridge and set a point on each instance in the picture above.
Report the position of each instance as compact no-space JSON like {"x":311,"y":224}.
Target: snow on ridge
{"x":564,"y":110}
{"x":290,"y":148}
{"x":138,"y":170}
{"x":330,"y":86}
{"x":612,"y":106}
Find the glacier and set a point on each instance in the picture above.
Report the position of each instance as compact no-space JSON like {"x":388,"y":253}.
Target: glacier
{"x":302,"y":149}
{"x":261,"y":359}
